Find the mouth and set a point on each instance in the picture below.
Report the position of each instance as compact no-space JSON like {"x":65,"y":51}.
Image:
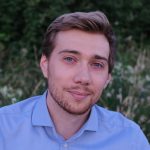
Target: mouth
{"x":78,"y":95}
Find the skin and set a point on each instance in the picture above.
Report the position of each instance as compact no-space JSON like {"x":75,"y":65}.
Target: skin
{"x":77,"y":73}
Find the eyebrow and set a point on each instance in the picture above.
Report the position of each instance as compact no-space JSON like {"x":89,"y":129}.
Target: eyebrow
{"x":98,"y":57}
{"x":69,"y":51}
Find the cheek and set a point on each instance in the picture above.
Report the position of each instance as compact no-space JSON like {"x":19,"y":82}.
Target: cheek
{"x":59,"y":75}
{"x":99,"y":85}
{"x":98,"y":89}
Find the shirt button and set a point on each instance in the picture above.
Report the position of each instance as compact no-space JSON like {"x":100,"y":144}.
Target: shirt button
{"x":65,"y":145}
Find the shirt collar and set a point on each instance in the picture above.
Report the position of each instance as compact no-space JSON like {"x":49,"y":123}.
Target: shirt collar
{"x":40,"y":116}
{"x":92,"y":122}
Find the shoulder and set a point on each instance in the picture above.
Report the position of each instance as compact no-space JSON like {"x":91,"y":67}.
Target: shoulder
{"x":17,"y":118}
{"x":19,"y":107}
{"x":17,"y":115}
{"x":115,"y":120}
{"x":121,"y":129}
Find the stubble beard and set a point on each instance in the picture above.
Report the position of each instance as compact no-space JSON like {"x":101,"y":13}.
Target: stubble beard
{"x":63,"y":101}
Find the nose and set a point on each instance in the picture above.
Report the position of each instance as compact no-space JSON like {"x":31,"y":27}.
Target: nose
{"x":83,"y":75}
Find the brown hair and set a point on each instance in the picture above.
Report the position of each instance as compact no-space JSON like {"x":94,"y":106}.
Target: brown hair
{"x":95,"y":22}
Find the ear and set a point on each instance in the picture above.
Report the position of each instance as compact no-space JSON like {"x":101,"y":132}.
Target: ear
{"x":108,"y":80}
{"x":44,"y":65}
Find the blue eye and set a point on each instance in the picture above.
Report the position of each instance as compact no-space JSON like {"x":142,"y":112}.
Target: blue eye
{"x":69,"y":60}
{"x":97,"y":65}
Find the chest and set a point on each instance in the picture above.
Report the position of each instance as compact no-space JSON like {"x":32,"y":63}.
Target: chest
{"x":44,"y":138}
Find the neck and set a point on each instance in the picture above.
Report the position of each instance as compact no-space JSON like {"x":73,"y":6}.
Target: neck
{"x":66,"y":124}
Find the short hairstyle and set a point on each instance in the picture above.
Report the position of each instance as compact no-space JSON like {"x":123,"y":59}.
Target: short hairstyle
{"x":94,"y":22}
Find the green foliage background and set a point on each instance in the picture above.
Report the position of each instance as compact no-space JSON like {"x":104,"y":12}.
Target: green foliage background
{"x":23,"y":23}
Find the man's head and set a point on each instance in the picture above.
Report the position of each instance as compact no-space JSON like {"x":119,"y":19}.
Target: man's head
{"x":78,"y":56}
{"x":93,"y":22}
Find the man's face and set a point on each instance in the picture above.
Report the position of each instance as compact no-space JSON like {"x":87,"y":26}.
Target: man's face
{"x":77,"y":70}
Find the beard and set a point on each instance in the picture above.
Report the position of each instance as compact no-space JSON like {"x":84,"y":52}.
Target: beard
{"x":62,"y":97}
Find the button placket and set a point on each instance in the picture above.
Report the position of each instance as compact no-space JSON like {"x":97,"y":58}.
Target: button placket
{"x":64,"y":146}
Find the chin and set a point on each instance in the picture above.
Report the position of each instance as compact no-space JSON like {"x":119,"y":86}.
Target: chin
{"x":78,"y":111}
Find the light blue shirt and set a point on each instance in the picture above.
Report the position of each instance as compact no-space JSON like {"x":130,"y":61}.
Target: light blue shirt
{"x":27,"y":125}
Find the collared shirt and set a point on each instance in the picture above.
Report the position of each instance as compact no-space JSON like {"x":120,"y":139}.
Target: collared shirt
{"x":27,"y":125}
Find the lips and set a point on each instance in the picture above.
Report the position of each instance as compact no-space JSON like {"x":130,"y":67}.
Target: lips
{"x":78,"y":95}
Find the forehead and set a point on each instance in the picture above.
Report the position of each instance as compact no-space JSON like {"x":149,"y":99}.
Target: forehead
{"x":85,"y":43}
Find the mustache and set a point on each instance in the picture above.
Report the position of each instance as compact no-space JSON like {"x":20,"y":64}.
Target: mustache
{"x":80,"y":88}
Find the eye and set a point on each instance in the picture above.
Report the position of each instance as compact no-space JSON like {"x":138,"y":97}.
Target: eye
{"x":69,"y":59}
{"x":97,"y":65}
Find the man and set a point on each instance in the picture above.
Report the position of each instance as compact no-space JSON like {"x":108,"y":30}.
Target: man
{"x":77,"y":61}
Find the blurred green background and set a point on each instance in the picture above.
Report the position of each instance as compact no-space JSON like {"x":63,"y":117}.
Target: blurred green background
{"x":23,"y":23}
